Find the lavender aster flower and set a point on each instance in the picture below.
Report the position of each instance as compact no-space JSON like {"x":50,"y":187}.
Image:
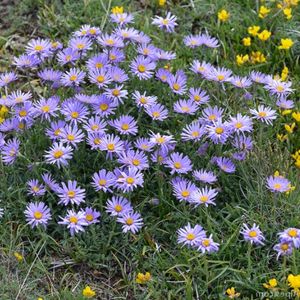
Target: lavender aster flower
{"x":135,"y":159}
{"x":177,"y":82}
{"x":205,"y":176}
{"x":178,"y":163}
{"x":71,"y":135}
{"x":264,"y":114}
{"x":168,"y":23}
{"x":67,"y":56}
{"x":73,"y":78}
{"x":37,"y":214}
{"x":46,"y":108}
{"x":207,"y":244}
{"x":70,"y":193}
{"x":142,"y":67}
{"x":10,"y":151}
{"x":103,"y":180}
{"x":183,"y":189}
{"x":278,"y":184}
{"x":126,"y":125}
{"x":252,"y":234}
{"x":118,"y":206}
{"x":198,"y":96}
{"x":284,"y":248}
{"x":157,"y":111}
{"x":132,"y":221}
{"x":35,"y":188}
{"x":204,"y":196}
{"x":75,"y":221}
{"x":130,"y":179}
{"x":91,"y":215}
{"x":189,"y":235}
{"x":225,"y":164}
{"x":188,"y":107}
{"x":59,"y":154}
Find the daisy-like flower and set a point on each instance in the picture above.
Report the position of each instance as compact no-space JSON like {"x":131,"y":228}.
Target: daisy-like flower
{"x":193,"y":132}
{"x":201,"y":68}
{"x":24,"y":112}
{"x":51,"y":77}
{"x":131,"y":221}
{"x":157,"y":111}
{"x":46,"y":108}
{"x":285,"y":104}
{"x":112,"y":40}
{"x":148,"y":50}
{"x":178,"y":163}
{"x":118,"y":206}
{"x":10,"y":151}
{"x":50,"y":182}
{"x":183,"y":189}
{"x":241,"y":124}
{"x":80,"y":44}
{"x":75,"y":221}
{"x":104,"y":106}
{"x":212,"y":114}
{"x":189,"y":235}
{"x":284,"y":248}
{"x":225,"y":164}
{"x":111,"y":144}
{"x":240,"y":82}
{"x":7,"y":78}
{"x":243,"y":143}
{"x":67,"y":56}
{"x":59,"y":154}
{"x":144,"y":144}
{"x":101,"y":77}
{"x":135,"y":159}
{"x":116,"y":94}
{"x":165,"y":55}
{"x":25,"y":61}
{"x":55,"y":130}
{"x":74,"y":111}
{"x":88,"y":30}
{"x":252,"y":234}
{"x":115,"y":55}
{"x":291,"y":235}
{"x":218,"y":74}
{"x":18,"y":97}
{"x":103,"y":180}
{"x":95,"y":124}
{"x":280,"y":89}
{"x":188,"y":107}
{"x":198,"y":96}
{"x":73,"y":78}
{"x":204,"y":196}
{"x":142,"y":38}
{"x":91,"y":215}
{"x":35,"y":188}
{"x":37,"y":214}
{"x":39,"y":47}
{"x":278,"y":184}
{"x":118,"y":75}
{"x":163,"y":75}
{"x":127,"y":33}
{"x":258,"y":77}
{"x":86,"y":99}
{"x":142,"y":100}
{"x":205,"y":176}
{"x":209,"y":41}
{"x":71,"y":135}
{"x":125,"y":125}
{"x":97,"y":62}
{"x":142,"y":67}
{"x":122,"y":18}
{"x":218,"y":132}
{"x":264,"y":114}
{"x":177,"y":82}
{"x":130,"y":179}
{"x":163,"y":141}
{"x":94,"y":140}
{"x":168,"y":23}
{"x":71,"y":193}
{"x":208,"y":245}
{"x":193,"y":41}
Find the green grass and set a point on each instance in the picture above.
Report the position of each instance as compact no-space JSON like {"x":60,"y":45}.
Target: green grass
{"x":57,"y":266}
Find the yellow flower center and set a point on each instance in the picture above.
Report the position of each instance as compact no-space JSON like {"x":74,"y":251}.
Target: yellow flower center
{"x":110,"y":41}
{"x":95,"y":127}
{"x":284,"y":246}
{"x":125,"y":126}
{"x":135,"y":162}
{"x":253,"y":233}
{"x":165,"y":21}
{"x":92,"y":31}
{"x":190,"y":236}
{"x":73,"y":219}
{"x":68,"y":57}
{"x":197,"y":98}
{"x":212,"y":117}
{"x":46,"y":108}
{"x":177,"y":165}
{"x":89,"y":217}
{"x":111,"y":147}
{"x":143,"y":100}
{"x":73,"y":77}
{"x":141,"y":68}
{"x":100,"y":78}
{"x":80,"y":46}
{"x":280,"y":88}
{"x":129,"y":221}
{"x":292,"y":233}
{"x":130,"y":180}
{"x":35,"y":188}
{"x":176,"y":86}
{"x":262,"y":114}
{"x":203,"y":198}
{"x":37,"y":215}
{"x":219,"y":130}
{"x":220,"y":77}
{"x":99,"y":65}
{"x":160,"y":140}
{"x":74,"y":114}
{"x":103,"y":106}
{"x":112,"y":57}
{"x":195,"y":134}
{"x":185,"y":108}
{"x":238,"y":125}
{"x":58,"y":154}
{"x":185,"y":193}
{"x":23,"y":113}
{"x":206,"y":242}
{"x":70,"y":137}
{"x":97,"y":141}
{"x":155,"y":114}
{"x":38,"y":48}
{"x":118,"y":208}
{"x":116,"y":92}
{"x":102,"y":182}
{"x":277,"y":186}
{"x":71,"y":194}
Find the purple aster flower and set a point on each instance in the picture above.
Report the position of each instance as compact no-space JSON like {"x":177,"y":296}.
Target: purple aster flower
{"x":241,"y":124}
{"x":190,"y":236}
{"x":198,"y":96}
{"x":25,"y":61}
{"x":37,"y":214}
{"x":86,"y":99}
{"x":88,"y":30}
{"x":207,"y":244}
{"x":104,"y":106}
{"x":46,"y":108}
{"x":193,"y":132}
{"x":111,"y":144}
{"x":7,"y":78}
{"x":205,"y":176}
{"x":177,"y":82}
{"x":142,"y":67}
{"x":209,"y":41}
{"x":24,"y":112}
{"x":165,"y":55}
{"x":106,"y":40}
{"x":127,"y":33}
{"x":75,"y":221}
{"x":280,"y":89}
{"x":193,"y":41}
{"x":163,"y":141}
{"x":148,"y":50}
{"x":204,"y":196}
{"x":73,"y":78}
{"x":18,"y":97}
{"x":56,"y":45}
{"x":35,"y":188}
{"x":97,"y":62}
{"x":103,"y":180}
{"x":132,"y":221}
{"x":118,"y":206}
{"x":55,"y":130}
{"x":284,"y":248}
{"x":115,"y":55}
{"x":211,"y":114}
{"x":94,"y":140}
{"x":218,"y":74}
{"x":80,"y":44}
{"x":91,"y":215}
{"x":291,"y":235}
{"x":51,"y":76}
{"x":134,"y":159}
{"x":142,"y":100}
{"x":95,"y":124}
{"x":243,"y":143}
{"x":142,"y":38}
{"x":39,"y":47}
{"x":202,"y":68}
{"x":157,"y":111}
{"x":125,"y":124}
{"x":168,"y":23}
{"x":264,"y":114}
{"x":50,"y":182}
{"x":130,"y":180}
{"x":71,"y":135}
{"x":218,"y":132}
{"x":240,"y":156}
{"x":67,"y":56}
{"x":122,"y":18}
{"x":144,"y":144}
{"x":116,"y":94}
{"x":257,"y":77}
{"x":118,"y":75}
{"x":225,"y":164}
{"x":252,"y":234}
{"x":163,"y":75}
{"x":101,"y":77}
{"x":10,"y":151}
{"x":240,"y":82}
{"x":59,"y":154}
{"x":70,"y":193}
{"x":183,"y":189}
{"x":188,"y":107}
{"x":285,"y":104}
{"x":178,"y":163}
{"x":74,"y":111}
{"x":160,"y":156}
{"x":278,"y":184}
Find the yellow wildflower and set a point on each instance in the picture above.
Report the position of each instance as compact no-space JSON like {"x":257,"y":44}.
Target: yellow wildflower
{"x":271,"y":284}
{"x":161,"y":2}
{"x":282,"y":137}
{"x":88,"y":292}
{"x":296,"y":116}
{"x":257,"y":57}
{"x":231,"y":293}
{"x":264,"y":35}
{"x":286,"y":44}
{"x":289,"y":128}
{"x":247,"y":41}
{"x":284,"y":73}
{"x":223,"y":15}
{"x":143,"y":278}
{"x":294,"y":281}
{"x":18,"y":256}
{"x":286,"y":112}
{"x":287,"y":12}
{"x":263,"y":11}
{"x":253,"y":30}
{"x":117,"y":10}
{"x":241,"y":59}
